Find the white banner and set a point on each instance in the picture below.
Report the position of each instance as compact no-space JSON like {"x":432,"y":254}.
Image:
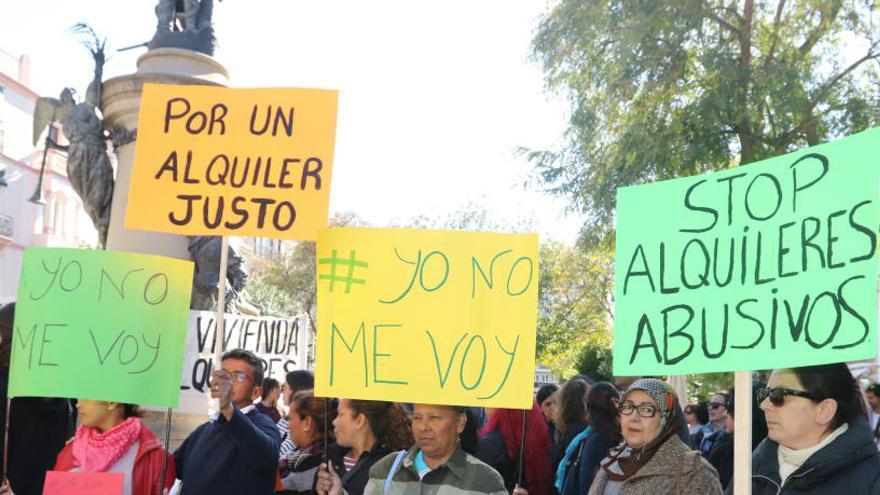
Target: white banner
{"x":280,"y":342}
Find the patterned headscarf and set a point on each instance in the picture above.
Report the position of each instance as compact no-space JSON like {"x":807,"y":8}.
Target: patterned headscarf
{"x":624,"y":460}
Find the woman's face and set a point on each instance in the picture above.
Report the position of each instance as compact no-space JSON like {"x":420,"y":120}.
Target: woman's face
{"x":301,"y":429}
{"x":274,"y":395}
{"x":95,"y":413}
{"x":636,"y":430}
{"x":549,"y":406}
{"x":436,"y":429}
{"x":345,"y":426}
{"x":691,"y":417}
{"x":799,"y":422}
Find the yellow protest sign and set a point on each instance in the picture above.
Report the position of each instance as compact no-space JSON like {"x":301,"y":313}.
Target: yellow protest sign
{"x":427,"y":316}
{"x":220,"y":161}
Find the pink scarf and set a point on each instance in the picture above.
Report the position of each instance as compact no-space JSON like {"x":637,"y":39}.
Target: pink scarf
{"x":94,"y":451}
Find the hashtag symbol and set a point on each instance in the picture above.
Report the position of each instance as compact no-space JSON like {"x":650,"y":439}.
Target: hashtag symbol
{"x":350,"y":262}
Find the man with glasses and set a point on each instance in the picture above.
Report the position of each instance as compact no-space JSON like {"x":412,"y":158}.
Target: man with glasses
{"x":715,"y":428}
{"x":237,"y":450}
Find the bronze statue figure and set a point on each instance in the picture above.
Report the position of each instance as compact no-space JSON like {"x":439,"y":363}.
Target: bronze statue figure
{"x":88,"y":166}
{"x":205,"y":253}
{"x":184,"y":24}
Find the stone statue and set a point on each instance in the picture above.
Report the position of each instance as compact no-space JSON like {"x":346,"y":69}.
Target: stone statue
{"x":205,"y":253}
{"x":184,"y":24}
{"x":88,"y":166}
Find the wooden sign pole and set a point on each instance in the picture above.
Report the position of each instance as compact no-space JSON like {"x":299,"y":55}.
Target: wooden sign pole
{"x":742,"y":433}
{"x":221,"y":303}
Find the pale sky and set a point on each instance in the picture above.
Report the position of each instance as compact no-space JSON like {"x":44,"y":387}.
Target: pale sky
{"x":434,"y":96}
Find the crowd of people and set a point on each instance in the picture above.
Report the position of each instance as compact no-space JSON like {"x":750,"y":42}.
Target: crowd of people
{"x":813,"y":432}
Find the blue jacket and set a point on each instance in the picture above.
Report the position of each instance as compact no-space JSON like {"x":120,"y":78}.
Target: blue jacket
{"x":230,"y":457}
{"x":588,"y":451}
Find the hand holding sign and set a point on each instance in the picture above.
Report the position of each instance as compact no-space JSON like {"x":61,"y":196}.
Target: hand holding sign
{"x":102,"y":325}
{"x":221,"y":388}
{"x":427,"y":316}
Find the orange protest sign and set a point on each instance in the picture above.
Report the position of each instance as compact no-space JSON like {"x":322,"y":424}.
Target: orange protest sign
{"x":221,"y":161}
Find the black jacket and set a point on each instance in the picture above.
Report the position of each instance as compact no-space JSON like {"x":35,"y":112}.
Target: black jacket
{"x":355,"y":480}
{"x":848,"y":465}
{"x":721,"y":458}
{"x":493,"y":451}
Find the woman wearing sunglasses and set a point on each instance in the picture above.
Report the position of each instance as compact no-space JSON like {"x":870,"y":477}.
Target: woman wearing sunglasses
{"x":652,"y":459}
{"x":818,"y":437}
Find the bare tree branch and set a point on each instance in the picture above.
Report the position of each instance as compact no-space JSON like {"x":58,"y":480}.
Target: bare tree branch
{"x":825,"y":23}
{"x":777,"y":20}
{"x":726,"y":25}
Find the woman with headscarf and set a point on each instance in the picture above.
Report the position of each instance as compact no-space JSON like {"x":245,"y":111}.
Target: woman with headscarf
{"x":652,"y":459}
{"x":818,"y":440}
{"x":500,"y":448}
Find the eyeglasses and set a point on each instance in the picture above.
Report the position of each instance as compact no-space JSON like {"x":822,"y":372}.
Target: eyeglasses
{"x":716,"y":405}
{"x":644,"y":410}
{"x":777,"y":395}
{"x":239,"y":376}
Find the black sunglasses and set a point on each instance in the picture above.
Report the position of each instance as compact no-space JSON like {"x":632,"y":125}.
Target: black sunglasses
{"x":777,"y":395}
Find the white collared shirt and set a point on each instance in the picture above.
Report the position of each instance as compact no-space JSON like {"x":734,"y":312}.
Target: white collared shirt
{"x":244,"y":410}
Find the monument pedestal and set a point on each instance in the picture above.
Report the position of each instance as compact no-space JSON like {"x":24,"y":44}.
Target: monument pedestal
{"x":120,"y":105}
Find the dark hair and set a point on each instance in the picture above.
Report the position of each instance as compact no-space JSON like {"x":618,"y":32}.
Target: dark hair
{"x":759,"y":421}
{"x":7,"y":317}
{"x":269,"y":384}
{"x":7,"y":314}
{"x":874,"y":388}
{"x":304,"y":403}
{"x":702,"y":412}
{"x":572,"y":405}
{"x":581,"y":376}
{"x":131,"y":411}
{"x":603,"y":411}
{"x":834,"y":381}
{"x":470,"y":436}
{"x":300,"y":380}
{"x":388,"y":421}
{"x":248,"y":357}
{"x":546,"y":391}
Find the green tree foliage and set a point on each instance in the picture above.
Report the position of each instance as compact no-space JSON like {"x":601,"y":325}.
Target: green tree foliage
{"x":702,"y":386}
{"x":662,"y":89}
{"x":576,"y":305}
{"x":595,"y":359}
{"x":288,"y":286}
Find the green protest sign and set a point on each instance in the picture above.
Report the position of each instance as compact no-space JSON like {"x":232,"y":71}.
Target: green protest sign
{"x":766,"y":265}
{"x":100,"y":325}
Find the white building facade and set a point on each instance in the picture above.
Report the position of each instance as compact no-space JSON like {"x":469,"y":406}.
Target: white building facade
{"x":61,"y":221}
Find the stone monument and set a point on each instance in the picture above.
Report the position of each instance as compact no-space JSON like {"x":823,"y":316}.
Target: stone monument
{"x":179,"y":53}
